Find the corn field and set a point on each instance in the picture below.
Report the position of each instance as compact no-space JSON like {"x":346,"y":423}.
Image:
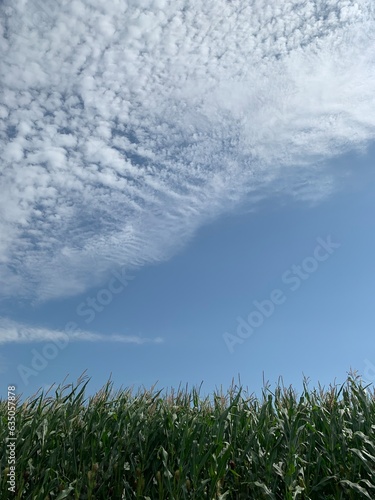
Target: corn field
{"x":148,"y":445}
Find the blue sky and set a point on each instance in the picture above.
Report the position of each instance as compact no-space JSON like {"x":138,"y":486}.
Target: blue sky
{"x":219,"y":161}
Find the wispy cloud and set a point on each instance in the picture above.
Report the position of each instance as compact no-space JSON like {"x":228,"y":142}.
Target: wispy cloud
{"x":12,"y":332}
{"x":128,"y":127}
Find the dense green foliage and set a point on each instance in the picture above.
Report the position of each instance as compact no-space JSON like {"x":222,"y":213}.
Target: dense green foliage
{"x":319,"y":445}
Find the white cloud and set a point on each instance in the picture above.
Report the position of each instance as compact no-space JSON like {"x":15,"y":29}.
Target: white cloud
{"x":12,"y":332}
{"x":127,"y":125}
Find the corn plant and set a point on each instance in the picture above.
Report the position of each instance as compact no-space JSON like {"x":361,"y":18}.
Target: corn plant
{"x":178,"y":445}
